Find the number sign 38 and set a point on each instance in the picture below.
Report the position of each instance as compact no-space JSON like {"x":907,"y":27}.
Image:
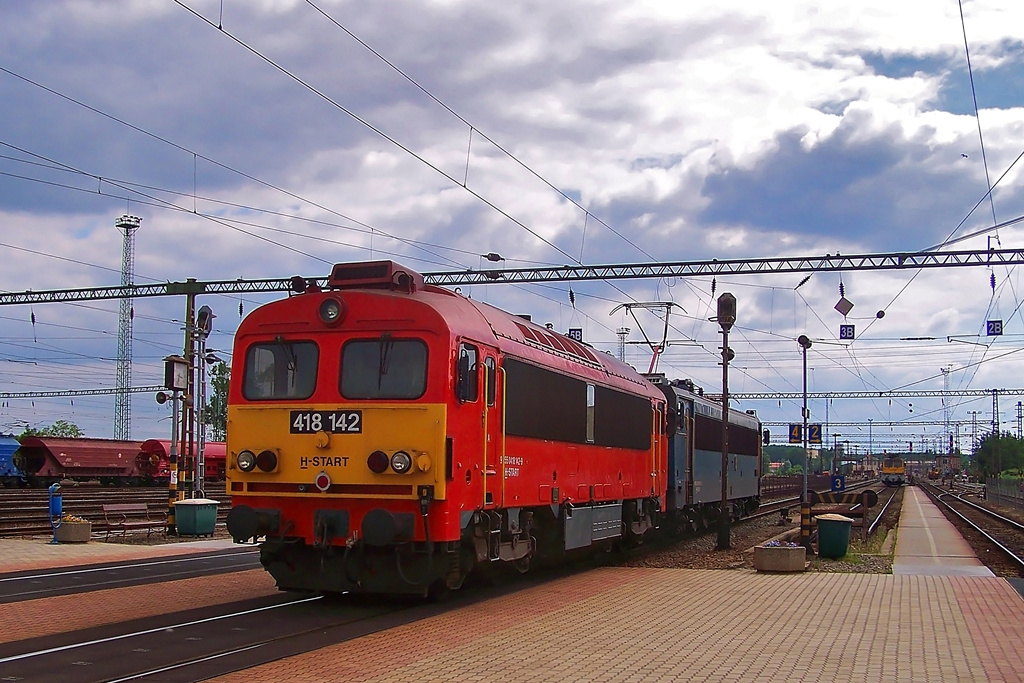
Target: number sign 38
{"x":333,"y":421}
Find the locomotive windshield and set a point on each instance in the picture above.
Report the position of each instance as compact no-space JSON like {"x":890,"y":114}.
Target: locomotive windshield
{"x":383,"y":368}
{"x":280,"y":370}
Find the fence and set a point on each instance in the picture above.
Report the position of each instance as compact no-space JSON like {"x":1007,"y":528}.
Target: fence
{"x":773,"y":488}
{"x":1005,"y":492}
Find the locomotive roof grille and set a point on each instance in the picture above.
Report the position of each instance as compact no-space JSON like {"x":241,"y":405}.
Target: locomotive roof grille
{"x":558,"y":342}
{"x":375,"y":274}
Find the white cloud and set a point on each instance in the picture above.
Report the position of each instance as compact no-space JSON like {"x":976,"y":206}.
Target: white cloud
{"x":696,"y":130}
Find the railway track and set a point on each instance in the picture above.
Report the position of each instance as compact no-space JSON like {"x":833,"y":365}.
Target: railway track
{"x":219,"y":638}
{"x":880,"y":516}
{"x":782,"y":505}
{"x":25,"y":512}
{"x":984,"y":529}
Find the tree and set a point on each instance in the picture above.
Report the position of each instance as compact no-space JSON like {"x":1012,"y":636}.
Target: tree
{"x":61,"y":429}
{"x":998,"y":453}
{"x":216,"y":414}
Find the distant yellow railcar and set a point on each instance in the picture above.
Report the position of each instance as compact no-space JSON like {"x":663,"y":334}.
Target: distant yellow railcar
{"x":894,"y":471}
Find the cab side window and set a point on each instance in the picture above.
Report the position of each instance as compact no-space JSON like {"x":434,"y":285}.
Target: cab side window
{"x":467,"y":386}
{"x":492,"y":380}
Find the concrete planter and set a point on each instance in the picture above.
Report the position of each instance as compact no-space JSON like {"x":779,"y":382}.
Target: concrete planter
{"x":74,"y":532}
{"x":779,"y":558}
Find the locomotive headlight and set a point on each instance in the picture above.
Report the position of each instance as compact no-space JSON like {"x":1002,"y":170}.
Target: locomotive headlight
{"x":246,"y":461}
{"x":267,"y":461}
{"x":330,"y":311}
{"x":401,"y":462}
{"x":377,"y":462}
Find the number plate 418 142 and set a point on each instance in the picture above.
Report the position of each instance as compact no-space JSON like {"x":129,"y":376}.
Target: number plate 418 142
{"x":332,"y":421}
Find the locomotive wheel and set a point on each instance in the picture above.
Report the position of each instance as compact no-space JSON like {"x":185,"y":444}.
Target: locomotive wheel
{"x":492,"y":573}
{"x":438,"y":591}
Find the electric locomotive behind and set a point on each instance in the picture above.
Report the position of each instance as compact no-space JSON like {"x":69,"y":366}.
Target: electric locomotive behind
{"x":894,"y":471}
{"x":386,"y":436}
{"x":694,"y":481}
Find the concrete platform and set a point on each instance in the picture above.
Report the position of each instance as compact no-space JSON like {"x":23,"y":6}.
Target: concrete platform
{"x":19,"y":554}
{"x":666,"y":625}
{"x":928,"y":544}
{"x":631,"y":624}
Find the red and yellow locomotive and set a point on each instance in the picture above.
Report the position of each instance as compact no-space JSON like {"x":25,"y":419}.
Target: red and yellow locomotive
{"x":389,"y":436}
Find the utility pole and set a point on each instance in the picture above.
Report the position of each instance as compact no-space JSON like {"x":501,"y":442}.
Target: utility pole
{"x":945,"y":404}
{"x":204,"y":325}
{"x":805,"y":501}
{"x":995,"y":430}
{"x":726,"y":319}
{"x":1019,"y":416}
{"x":871,"y":445}
{"x":175,"y":379}
{"x":805,"y":343}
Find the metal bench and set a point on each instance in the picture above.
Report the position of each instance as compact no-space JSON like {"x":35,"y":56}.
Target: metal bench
{"x":125,"y":517}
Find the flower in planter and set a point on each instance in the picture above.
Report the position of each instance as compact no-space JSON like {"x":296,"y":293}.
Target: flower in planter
{"x":779,"y":544}
{"x":72,"y":519}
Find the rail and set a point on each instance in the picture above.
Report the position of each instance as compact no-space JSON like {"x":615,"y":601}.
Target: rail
{"x":937,"y":495}
{"x":24,"y":512}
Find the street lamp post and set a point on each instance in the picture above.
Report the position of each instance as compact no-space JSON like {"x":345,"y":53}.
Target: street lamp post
{"x":726,"y":319}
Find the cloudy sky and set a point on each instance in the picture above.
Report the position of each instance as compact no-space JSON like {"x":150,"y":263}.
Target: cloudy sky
{"x":273,"y":138}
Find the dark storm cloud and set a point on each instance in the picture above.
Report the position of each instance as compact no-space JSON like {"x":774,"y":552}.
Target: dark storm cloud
{"x":876,"y":190}
{"x":178,"y":79}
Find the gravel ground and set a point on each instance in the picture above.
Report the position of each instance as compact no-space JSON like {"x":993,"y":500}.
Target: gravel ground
{"x":701,"y":552}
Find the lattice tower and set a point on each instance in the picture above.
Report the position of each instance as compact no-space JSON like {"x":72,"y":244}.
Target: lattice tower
{"x":122,"y":399}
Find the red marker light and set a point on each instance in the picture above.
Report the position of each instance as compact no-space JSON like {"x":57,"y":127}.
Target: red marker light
{"x":377,"y":462}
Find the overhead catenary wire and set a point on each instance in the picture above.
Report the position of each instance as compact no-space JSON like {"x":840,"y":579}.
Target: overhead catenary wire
{"x":375,"y":129}
{"x":190,"y":152}
{"x":472,"y":129}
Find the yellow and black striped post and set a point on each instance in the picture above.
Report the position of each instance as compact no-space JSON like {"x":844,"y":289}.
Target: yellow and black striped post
{"x":805,"y":525}
{"x":172,"y":487}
